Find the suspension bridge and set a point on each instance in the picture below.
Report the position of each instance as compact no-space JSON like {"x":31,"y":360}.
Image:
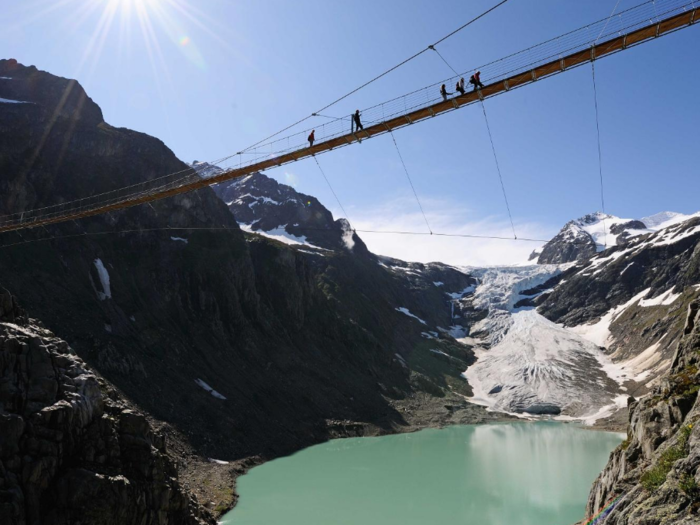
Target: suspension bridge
{"x":632,"y":27}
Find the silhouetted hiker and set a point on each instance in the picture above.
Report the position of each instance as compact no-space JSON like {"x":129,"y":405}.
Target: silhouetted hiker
{"x":356,"y":121}
{"x":312,"y":138}
{"x":461,"y":84}
{"x":444,"y":93}
{"x":459,"y":87}
{"x":476,"y":80}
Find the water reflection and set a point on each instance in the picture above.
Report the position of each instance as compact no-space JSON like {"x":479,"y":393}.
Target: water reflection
{"x":525,"y":473}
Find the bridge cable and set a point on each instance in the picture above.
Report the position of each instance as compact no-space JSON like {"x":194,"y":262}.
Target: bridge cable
{"x":333,"y":192}
{"x":416,"y":55}
{"x":445,"y":61}
{"x":498,"y":169}
{"x":86,"y":233}
{"x":609,"y":18}
{"x":600,"y":155}
{"x":493,"y":148}
{"x":411,"y":182}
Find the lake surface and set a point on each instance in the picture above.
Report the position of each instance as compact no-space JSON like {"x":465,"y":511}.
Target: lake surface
{"x":496,"y":474}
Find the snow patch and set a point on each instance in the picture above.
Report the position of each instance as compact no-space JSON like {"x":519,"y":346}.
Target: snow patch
{"x":218,"y":461}
{"x":10,"y":101}
{"x":347,"y":234}
{"x":179,"y":239}
{"x":665,"y":299}
{"x":438,"y":283}
{"x":102,"y":272}
{"x":599,"y":333}
{"x":459,"y":295}
{"x":409,"y":314}
{"x":209,"y":389}
{"x":279,"y":234}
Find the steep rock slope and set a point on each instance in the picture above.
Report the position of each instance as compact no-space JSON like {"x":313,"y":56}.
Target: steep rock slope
{"x":654,"y":476}
{"x":631,"y":299}
{"x":71,"y":449}
{"x":245,"y":346}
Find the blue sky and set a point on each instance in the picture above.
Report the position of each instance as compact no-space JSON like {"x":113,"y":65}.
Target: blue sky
{"x":214,"y":76}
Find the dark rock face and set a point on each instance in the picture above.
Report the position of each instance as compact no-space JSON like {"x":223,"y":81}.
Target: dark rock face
{"x":69,"y":453}
{"x":572,"y":243}
{"x":266,"y":205}
{"x":160,"y":305}
{"x":655,"y":474}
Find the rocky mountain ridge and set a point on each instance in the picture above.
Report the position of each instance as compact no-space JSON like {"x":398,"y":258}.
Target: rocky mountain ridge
{"x":582,"y":238}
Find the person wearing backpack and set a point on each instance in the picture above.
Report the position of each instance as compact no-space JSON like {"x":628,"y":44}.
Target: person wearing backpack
{"x":476,"y":80}
{"x":311,"y":138}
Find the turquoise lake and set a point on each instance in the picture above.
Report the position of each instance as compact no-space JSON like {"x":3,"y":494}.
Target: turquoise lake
{"x":496,"y":474}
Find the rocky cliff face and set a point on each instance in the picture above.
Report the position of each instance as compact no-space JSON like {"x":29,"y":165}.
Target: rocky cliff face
{"x":71,"y":449}
{"x":654,"y":476}
{"x":243,"y":345}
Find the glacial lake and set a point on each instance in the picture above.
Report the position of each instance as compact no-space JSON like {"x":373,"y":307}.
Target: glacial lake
{"x":496,"y":474}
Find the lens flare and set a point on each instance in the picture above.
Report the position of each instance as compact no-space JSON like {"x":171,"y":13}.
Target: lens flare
{"x":184,"y":40}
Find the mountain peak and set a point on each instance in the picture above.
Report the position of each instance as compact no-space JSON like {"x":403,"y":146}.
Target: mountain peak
{"x":583,"y":237}
{"x":263,"y":205}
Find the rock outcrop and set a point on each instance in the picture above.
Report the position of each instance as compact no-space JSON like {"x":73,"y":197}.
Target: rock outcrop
{"x":266,"y":206}
{"x":71,"y":450}
{"x":653,"y":478}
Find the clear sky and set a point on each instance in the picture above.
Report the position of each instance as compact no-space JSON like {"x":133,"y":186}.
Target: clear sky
{"x":210,"y":77}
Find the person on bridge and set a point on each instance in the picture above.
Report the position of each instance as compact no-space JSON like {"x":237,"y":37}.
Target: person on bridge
{"x":311,"y":138}
{"x":476,"y":80}
{"x":444,"y":93}
{"x":460,"y":87}
{"x":356,"y":121}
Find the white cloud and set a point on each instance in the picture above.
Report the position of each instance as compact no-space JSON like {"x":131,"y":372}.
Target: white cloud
{"x":446,"y":217}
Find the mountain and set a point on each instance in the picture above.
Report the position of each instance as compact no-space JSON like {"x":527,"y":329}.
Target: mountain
{"x":234,"y":345}
{"x":205,"y":169}
{"x":260,"y":204}
{"x":582,"y":238}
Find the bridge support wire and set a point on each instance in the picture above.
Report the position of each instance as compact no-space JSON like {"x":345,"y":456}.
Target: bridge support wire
{"x":334,"y":193}
{"x":411,"y":182}
{"x":498,"y":169}
{"x":600,"y":155}
{"x":493,"y":147}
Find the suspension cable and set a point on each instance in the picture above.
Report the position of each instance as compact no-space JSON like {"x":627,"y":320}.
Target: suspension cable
{"x":333,"y":192}
{"x":411,"y":182}
{"x":445,"y":61}
{"x":227,"y":229}
{"x":498,"y":169}
{"x":600,"y":155}
{"x":493,"y":148}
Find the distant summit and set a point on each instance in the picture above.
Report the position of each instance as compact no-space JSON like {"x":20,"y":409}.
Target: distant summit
{"x":206,"y":170}
{"x":262,"y":205}
{"x":582,"y":238}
